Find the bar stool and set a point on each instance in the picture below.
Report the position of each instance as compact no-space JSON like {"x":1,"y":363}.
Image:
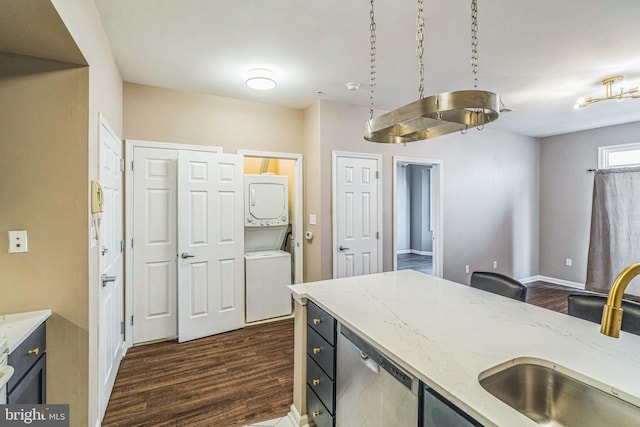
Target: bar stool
{"x":498,"y":284}
{"x":589,"y":307}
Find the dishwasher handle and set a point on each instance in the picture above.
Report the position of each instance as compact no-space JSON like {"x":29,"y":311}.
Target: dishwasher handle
{"x":377,"y":359}
{"x":369,"y":363}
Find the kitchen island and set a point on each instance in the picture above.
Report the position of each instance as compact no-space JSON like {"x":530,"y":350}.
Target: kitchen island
{"x":448,"y":334}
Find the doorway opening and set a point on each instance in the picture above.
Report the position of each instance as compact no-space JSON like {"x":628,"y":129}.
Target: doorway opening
{"x":417,"y":207}
{"x":289,"y":165}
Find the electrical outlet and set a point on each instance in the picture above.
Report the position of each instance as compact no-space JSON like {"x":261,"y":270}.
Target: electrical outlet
{"x":495,"y":264}
{"x":466,"y":269}
{"x":568,"y":262}
{"x":18,"y":241}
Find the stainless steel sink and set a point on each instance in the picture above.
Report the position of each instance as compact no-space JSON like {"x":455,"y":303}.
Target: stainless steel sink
{"x":552,"y":398}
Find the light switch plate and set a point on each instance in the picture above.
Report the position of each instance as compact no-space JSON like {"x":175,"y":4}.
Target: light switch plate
{"x":17,"y":241}
{"x":312,"y":219}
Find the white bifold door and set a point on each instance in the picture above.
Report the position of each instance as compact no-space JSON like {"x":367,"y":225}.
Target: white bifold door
{"x":188,"y":244}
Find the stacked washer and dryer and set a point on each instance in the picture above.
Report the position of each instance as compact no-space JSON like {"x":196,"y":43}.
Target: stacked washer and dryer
{"x":267,"y":267}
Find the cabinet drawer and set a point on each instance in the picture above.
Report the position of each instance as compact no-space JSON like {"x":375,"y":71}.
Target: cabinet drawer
{"x":32,"y":389}
{"x":322,"y":322}
{"x":322,"y":352}
{"x":321,"y":383}
{"x":20,"y":358}
{"x":317,"y":411}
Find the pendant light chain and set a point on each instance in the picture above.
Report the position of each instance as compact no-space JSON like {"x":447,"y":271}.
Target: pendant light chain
{"x":372,"y":58}
{"x":420,"y":47}
{"x":474,"y":42}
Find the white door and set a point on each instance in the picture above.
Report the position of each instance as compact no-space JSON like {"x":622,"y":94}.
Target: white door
{"x":210,"y":244}
{"x":110,"y":312}
{"x":357,"y":215}
{"x":154,"y":244}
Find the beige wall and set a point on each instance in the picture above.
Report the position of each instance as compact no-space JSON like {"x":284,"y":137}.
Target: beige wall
{"x":43,"y":172}
{"x":490,"y":193}
{"x":58,"y":136}
{"x":314,"y":257}
{"x":566,"y":193}
{"x":158,"y":114}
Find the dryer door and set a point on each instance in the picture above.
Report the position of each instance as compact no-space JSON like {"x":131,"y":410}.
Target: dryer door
{"x":267,"y":201}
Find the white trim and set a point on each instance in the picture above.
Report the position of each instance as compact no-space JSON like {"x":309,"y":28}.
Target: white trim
{"x":417,"y":252}
{"x":413,"y":251}
{"x":604,"y":151}
{"x":437,"y":217}
{"x":297,"y":419}
{"x":298,"y":205}
{"x":334,"y":185}
{"x":172,"y":145}
{"x":552,"y":280}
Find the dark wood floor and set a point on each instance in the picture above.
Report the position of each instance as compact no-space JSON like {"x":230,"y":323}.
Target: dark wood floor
{"x":548,"y":295}
{"x":231,"y":379}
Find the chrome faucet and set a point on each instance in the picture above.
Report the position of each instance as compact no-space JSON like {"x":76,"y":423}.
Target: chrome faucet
{"x":612,"y":312}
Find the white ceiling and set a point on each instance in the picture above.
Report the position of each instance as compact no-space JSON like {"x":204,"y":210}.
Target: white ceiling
{"x":539,"y":56}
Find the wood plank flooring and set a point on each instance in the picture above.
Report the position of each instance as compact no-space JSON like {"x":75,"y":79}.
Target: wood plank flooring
{"x":421,"y":263}
{"x":231,"y":379}
{"x":548,"y":295}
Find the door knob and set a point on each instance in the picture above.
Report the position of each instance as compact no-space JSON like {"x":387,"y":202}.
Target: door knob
{"x":104,"y":250}
{"x":185,"y":255}
{"x":342,"y":248}
{"x":106,"y":279}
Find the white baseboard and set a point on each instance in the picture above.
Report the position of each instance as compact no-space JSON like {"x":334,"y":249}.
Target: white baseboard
{"x":297,"y":419}
{"x":552,"y":280}
{"x":413,"y":251}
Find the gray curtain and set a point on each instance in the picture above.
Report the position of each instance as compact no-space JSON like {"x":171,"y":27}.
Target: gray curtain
{"x":615,"y":228}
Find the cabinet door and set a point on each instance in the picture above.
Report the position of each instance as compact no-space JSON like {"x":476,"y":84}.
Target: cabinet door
{"x":32,"y":388}
{"x":436,"y":411}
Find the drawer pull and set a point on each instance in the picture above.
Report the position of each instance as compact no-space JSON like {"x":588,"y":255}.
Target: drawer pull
{"x":316,"y":350}
{"x":316,"y":321}
{"x":315,"y":413}
{"x":34,"y":352}
{"x":315,"y":381}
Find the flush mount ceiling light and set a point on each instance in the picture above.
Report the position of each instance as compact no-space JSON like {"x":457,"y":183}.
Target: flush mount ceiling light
{"x":261,"y":79}
{"x":435,"y":115}
{"x":620,"y":94}
{"x":352,"y":86}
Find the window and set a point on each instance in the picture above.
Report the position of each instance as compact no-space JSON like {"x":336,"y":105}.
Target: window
{"x":617,"y":156}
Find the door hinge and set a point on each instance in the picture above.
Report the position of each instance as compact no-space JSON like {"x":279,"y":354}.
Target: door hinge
{"x":132,"y":242}
{"x":377,"y":234}
{"x":131,"y":164}
{"x":122,"y":246}
{"x":121,"y":165}
{"x":131,"y":320}
{"x":377,"y":175}
{"x":122,"y":328}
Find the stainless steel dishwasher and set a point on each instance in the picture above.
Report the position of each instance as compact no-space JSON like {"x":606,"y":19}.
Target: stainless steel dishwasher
{"x":371,"y":390}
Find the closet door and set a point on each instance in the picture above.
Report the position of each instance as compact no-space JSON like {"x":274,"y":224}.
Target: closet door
{"x":154,"y":244}
{"x":210,"y":244}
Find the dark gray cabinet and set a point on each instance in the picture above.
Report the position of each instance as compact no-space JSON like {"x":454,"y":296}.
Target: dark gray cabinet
{"x":321,"y":366}
{"x":29,"y":361}
{"x":436,"y":411}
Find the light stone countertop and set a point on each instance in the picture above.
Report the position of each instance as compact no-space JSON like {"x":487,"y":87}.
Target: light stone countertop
{"x":447,"y":334}
{"x":18,"y":326}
